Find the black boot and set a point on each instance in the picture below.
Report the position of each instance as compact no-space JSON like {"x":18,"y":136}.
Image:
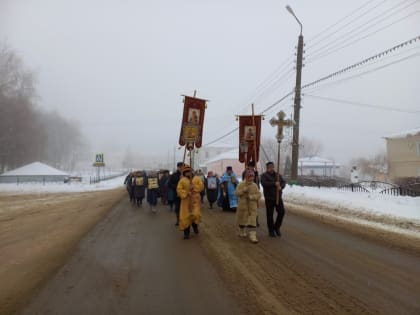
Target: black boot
{"x":195,"y":228}
{"x":187,"y":233}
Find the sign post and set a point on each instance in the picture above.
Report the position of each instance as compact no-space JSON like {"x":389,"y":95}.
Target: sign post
{"x":99,"y":162}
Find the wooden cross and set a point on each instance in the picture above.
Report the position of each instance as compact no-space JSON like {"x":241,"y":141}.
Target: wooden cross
{"x":280,"y":123}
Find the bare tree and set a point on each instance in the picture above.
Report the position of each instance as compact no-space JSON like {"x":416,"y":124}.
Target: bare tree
{"x":371,"y":168}
{"x":268,"y":152}
{"x":28,"y":134}
{"x":309,"y":147}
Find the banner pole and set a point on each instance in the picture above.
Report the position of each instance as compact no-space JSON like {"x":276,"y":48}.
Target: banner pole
{"x":255,"y":136}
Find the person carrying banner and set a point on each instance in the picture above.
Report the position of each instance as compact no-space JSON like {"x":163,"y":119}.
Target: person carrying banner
{"x":228,"y":183}
{"x":152,"y":190}
{"x":189,"y":189}
{"x":273,"y":185}
{"x":212,"y":186}
{"x":139,"y":183}
{"x":246,"y":215}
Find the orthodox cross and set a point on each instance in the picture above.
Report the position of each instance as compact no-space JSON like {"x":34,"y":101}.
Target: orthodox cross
{"x":280,"y":123}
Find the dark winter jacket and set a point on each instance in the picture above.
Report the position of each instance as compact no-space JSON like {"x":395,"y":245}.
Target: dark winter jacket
{"x":173,"y":182}
{"x":268,"y":181}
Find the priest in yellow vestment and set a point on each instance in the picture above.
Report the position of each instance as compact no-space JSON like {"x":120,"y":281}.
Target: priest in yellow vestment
{"x":189,"y":189}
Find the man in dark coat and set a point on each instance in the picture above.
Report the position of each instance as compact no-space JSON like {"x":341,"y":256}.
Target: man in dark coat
{"x":273,"y":184}
{"x":163,"y":187}
{"x":172,"y":184}
{"x":129,"y":185}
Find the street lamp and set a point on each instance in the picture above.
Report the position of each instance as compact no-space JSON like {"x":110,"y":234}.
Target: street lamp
{"x":288,"y":8}
{"x":296,"y":115}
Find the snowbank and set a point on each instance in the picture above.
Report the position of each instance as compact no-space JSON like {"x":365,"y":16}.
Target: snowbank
{"x":62,"y":187}
{"x":397,"y":206}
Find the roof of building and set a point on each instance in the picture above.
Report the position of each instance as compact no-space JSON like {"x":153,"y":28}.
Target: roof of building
{"x":219,"y":146}
{"x":228,"y":155}
{"x":404,"y":134}
{"x":316,"y":161}
{"x":35,"y":169}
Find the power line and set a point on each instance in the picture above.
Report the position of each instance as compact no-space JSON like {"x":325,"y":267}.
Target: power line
{"x":344,"y":26}
{"x":319,"y":56}
{"x":340,"y":72}
{"x":339,"y":21}
{"x":271,"y":80}
{"x":316,"y":88}
{"x":375,"y":69}
{"x":360,"y":63}
{"x":335,"y":100}
{"x":344,"y":38}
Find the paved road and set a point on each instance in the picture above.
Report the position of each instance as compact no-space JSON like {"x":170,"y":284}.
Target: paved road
{"x":135,"y":262}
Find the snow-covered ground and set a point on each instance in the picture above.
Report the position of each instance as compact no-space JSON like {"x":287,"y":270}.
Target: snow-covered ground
{"x":397,"y":211}
{"x":397,"y":206}
{"x":83,"y":186}
{"x":399,"y":214}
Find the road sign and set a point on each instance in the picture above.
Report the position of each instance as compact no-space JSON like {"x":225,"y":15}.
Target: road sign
{"x":99,"y":160}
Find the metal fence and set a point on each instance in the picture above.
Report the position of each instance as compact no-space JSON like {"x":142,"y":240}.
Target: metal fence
{"x":401,"y":191}
{"x":97,"y":179}
{"x":412,"y":190}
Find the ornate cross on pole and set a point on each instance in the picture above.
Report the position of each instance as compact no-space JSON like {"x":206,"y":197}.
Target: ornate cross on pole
{"x":280,"y":123}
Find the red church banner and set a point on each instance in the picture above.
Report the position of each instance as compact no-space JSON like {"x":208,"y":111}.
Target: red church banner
{"x":192,"y":122}
{"x":249,"y":138}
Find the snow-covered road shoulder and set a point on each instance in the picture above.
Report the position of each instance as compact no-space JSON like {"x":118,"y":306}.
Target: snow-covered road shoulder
{"x":27,"y":188}
{"x":394,"y":213}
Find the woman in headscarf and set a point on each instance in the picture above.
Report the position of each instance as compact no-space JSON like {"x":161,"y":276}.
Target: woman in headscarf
{"x":246,"y":214}
{"x":189,"y":189}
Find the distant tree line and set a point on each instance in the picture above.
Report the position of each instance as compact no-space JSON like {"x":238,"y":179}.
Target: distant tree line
{"x":27,"y":133}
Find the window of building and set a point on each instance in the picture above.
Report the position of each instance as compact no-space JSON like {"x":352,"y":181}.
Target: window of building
{"x":418,"y":148}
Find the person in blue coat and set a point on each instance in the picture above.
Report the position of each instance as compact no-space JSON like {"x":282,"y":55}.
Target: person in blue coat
{"x":228,"y":183}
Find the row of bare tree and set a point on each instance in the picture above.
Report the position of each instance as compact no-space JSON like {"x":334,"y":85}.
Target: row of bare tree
{"x":268,"y":151}
{"x":27,"y":133}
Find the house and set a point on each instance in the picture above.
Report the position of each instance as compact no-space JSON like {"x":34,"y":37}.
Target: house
{"x":317,"y":166}
{"x":219,"y":163}
{"x":209,"y":152}
{"x":403,"y":154}
{"x":34,"y":172}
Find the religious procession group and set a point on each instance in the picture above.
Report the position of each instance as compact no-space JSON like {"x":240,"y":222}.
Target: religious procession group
{"x":184,"y":189}
{"x":184,"y":192}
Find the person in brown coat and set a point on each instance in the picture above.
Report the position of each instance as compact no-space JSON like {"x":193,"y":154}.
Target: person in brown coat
{"x":246,"y":214}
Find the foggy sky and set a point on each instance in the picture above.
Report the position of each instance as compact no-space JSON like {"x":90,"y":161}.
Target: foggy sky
{"x":119,"y":68}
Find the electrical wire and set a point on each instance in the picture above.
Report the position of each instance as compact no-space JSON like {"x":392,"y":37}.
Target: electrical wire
{"x":345,"y":38}
{"x":339,"y":21}
{"x":360,"y":63}
{"x":316,"y":57}
{"x":335,"y":100}
{"x":370,"y":59}
{"x":344,"y":26}
{"x":366,"y":72}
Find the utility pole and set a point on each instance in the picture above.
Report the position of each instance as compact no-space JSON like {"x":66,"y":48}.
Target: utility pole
{"x":296,"y":115}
